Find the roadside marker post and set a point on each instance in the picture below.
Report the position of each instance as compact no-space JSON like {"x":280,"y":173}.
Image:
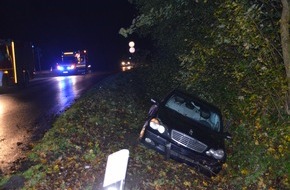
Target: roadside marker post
{"x":116,"y":169}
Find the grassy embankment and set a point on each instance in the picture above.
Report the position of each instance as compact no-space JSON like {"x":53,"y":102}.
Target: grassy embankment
{"x":73,"y":154}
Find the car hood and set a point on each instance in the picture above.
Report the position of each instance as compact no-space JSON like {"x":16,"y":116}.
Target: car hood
{"x":175,"y":121}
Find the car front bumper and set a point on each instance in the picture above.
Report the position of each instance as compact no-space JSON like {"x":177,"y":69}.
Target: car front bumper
{"x":205,"y":164}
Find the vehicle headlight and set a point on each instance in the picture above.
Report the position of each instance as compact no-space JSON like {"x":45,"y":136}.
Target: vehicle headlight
{"x":217,"y":154}
{"x":161,"y":129}
{"x":59,"y":68}
{"x":155,"y":124}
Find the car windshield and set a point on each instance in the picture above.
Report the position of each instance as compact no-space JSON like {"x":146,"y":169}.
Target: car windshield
{"x":193,"y":110}
{"x":69,"y":59}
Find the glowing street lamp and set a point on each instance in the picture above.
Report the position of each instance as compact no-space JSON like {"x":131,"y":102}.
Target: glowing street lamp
{"x":132,"y":48}
{"x":131,"y":44}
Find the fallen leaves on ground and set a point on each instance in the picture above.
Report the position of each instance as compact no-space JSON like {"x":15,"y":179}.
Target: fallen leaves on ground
{"x":73,"y":154}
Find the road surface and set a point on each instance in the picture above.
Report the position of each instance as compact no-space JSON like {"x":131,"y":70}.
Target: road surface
{"x":25,"y":114}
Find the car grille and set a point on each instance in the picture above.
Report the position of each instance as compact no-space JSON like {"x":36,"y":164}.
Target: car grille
{"x":188,"y":141}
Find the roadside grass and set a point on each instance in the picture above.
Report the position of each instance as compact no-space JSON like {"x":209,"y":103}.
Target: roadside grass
{"x":73,"y":153}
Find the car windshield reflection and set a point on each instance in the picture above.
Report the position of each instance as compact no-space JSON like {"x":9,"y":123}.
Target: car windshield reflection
{"x":194,"y":111}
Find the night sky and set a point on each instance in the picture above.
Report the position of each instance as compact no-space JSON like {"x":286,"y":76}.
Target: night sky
{"x":62,"y":25}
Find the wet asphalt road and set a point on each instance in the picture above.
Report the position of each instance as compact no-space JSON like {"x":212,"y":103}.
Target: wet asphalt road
{"x":25,"y":114}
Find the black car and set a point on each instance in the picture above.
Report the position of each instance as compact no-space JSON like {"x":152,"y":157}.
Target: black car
{"x":188,"y":129}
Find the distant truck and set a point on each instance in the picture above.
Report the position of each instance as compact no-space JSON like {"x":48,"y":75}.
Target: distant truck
{"x":17,"y":65}
{"x":73,"y":62}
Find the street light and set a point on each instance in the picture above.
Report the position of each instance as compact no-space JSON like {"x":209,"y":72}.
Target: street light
{"x":132,"y":48}
{"x":131,"y":44}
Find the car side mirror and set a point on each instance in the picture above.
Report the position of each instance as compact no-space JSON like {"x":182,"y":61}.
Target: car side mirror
{"x":152,"y":110}
{"x":154,"y":107}
{"x":228,"y":136}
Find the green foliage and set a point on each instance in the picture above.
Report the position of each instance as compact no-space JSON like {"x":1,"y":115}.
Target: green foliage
{"x":226,"y":51}
{"x":229,"y":52}
{"x":35,"y":174}
{"x":119,"y":107}
{"x":3,"y":180}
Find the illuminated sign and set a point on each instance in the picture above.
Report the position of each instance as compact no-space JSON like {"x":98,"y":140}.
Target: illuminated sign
{"x":68,"y":53}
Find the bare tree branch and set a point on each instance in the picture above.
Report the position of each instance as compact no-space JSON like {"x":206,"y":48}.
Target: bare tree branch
{"x":285,"y":42}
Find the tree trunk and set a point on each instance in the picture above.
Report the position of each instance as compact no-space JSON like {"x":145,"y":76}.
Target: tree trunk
{"x":285,"y":41}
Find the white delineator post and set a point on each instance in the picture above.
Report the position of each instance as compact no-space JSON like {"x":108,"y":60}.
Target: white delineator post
{"x":116,"y":169}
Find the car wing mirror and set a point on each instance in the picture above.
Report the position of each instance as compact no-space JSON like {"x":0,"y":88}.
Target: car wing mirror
{"x":153,"y":108}
{"x":228,"y":136}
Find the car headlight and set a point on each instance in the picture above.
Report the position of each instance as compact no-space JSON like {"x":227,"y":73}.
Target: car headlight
{"x":217,"y":154}
{"x":155,"y":124}
{"x":60,"y":68}
{"x":72,"y":67}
